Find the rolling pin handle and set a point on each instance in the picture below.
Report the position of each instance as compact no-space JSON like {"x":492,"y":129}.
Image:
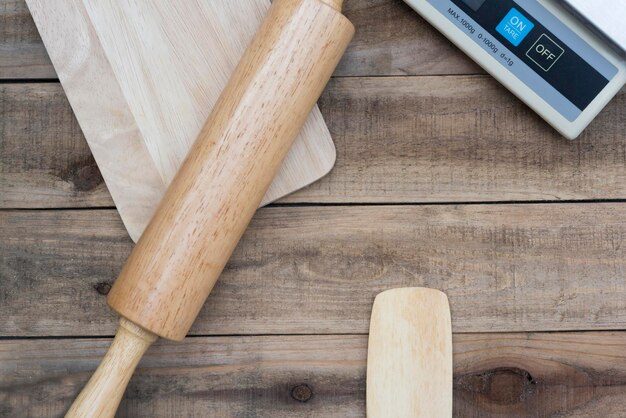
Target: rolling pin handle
{"x":104,"y":391}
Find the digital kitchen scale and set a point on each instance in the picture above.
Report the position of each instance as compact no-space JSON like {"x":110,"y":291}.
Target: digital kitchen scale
{"x":545,"y":53}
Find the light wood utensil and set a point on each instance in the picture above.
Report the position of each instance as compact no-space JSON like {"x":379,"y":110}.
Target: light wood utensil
{"x":142,"y":78}
{"x":409,"y":358}
{"x":214,"y":195}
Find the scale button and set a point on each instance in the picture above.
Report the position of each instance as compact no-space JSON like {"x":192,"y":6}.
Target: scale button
{"x":515,"y":27}
{"x":545,"y":52}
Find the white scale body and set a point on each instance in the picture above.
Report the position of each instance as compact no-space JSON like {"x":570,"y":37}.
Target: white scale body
{"x":540,"y":51}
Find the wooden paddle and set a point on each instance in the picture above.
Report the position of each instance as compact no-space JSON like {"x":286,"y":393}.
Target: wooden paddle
{"x":409,"y":359}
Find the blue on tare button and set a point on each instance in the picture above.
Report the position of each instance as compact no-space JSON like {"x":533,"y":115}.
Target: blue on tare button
{"x":515,"y":27}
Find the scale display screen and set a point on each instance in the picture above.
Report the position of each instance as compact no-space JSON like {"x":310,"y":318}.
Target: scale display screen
{"x":535,"y":46}
{"x":474,"y":4}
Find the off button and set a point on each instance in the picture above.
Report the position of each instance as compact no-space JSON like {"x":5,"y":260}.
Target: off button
{"x":545,"y":52}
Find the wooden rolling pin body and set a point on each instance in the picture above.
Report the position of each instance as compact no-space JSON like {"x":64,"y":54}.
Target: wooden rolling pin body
{"x":212,"y":199}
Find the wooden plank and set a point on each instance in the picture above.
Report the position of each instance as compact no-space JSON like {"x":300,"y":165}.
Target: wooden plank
{"x":540,"y":375}
{"x":451,"y":139}
{"x":312,"y":270}
{"x":398,"y":139}
{"x":496,"y":375}
{"x":22,"y":54}
{"x":44,"y":159}
{"x":391,"y":39}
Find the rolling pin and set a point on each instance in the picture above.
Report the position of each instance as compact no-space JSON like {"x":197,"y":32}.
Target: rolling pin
{"x":217,"y":190}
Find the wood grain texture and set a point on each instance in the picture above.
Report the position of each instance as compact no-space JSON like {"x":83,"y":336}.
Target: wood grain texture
{"x":450,"y":139}
{"x":317,"y":270}
{"x":533,"y":267}
{"x":497,"y":375}
{"x":173,"y":60}
{"x":409,"y":355}
{"x":426,"y":139}
{"x":391,"y":40}
{"x":141,"y":102}
{"x":22,"y":54}
{"x":102,"y":394}
{"x":98,"y":102}
{"x":220,"y":185}
{"x":44,"y":159}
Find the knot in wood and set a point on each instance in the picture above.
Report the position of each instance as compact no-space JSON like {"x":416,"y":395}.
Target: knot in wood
{"x":103,"y":288}
{"x":301,"y":393}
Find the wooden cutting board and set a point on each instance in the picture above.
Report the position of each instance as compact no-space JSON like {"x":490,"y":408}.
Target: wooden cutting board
{"x":142,"y":78}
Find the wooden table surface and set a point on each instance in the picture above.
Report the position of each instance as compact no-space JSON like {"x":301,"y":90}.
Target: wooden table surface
{"x":443,"y":179}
